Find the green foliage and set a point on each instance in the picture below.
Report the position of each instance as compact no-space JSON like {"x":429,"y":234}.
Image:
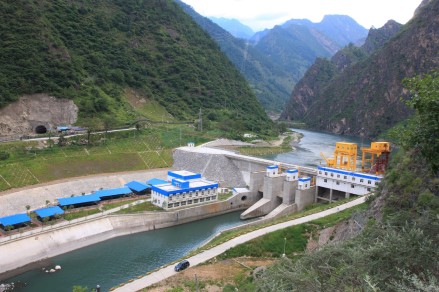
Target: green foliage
{"x":4,"y":155}
{"x":92,"y":51}
{"x":381,"y":253}
{"x":175,"y":289}
{"x":422,"y":132}
{"x":79,"y":289}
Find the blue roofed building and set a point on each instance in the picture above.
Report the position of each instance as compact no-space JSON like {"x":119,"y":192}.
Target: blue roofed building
{"x":156,"y":181}
{"x":113,"y":193}
{"x":81,"y":201}
{"x":16,"y":220}
{"x":182,"y":174}
{"x":49,"y":212}
{"x":139,"y":188}
{"x":184,"y":192}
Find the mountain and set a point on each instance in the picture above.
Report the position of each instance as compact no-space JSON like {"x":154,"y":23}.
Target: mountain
{"x":93,"y":51}
{"x":236,"y":28}
{"x":271,"y":84}
{"x":260,"y":34}
{"x":363,"y":98}
{"x":341,"y":28}
{"x":294,"y":48}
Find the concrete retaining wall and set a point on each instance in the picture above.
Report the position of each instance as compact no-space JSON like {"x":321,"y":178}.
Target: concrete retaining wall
{"x":305,"y":197}
{"x":53,"y":242}
{"x":15,"y":202}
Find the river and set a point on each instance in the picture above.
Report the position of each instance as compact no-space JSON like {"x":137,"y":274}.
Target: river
{"x":118,"y":260}
{"x":308,"y":151}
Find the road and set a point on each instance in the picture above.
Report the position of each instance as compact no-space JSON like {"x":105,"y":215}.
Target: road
{"x":167,"y":272}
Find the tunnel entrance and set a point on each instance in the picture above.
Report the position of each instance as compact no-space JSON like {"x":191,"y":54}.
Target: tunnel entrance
{"x":41,"y":129}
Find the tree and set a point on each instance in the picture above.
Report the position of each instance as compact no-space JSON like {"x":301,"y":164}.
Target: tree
{"x":91,"y":124}
{"x":109,"y":123}
{"x":138,"y":126}
{"x":422,"y":131}
{"x":47,"y":202}
{"x":79,"y":289}
{"x":9,"y":227}
{"x":28,"y":208}
{"x":46,"y":219}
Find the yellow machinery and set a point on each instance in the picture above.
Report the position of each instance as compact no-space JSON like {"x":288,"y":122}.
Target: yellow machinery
{"x":380,"y":150}
{"x":345,"y":156}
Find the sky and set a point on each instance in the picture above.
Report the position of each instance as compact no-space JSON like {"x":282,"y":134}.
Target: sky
{"x":261,"y":14}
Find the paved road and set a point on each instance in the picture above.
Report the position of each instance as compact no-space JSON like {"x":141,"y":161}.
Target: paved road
{"x":209,"y":254}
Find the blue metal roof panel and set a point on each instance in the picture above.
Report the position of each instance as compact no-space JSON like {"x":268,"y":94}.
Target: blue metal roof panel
{"x":137,"y":186}
{"x":156,"y":181}
{"x":113,"y":192}
{"x":14,"y":219}
{"x":304,"y":179}
{"x":272,"y":167}
{"x":50,"y":211}
{"x":192,"y":176}
{"x":78,"y":200}
{"x":167,"y":193}
{"x":292,"y":170}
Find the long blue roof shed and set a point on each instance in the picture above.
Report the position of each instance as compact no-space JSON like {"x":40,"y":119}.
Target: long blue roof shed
{"x":50,"y":211}
{"x":113,"y":192}
{"x":156,"y":181}
{"x":138,"y":186}
{"x":78,"y":200}
{"x":14,"y":219}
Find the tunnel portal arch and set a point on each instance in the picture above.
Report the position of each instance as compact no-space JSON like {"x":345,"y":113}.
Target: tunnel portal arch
{"x":40,"y":129}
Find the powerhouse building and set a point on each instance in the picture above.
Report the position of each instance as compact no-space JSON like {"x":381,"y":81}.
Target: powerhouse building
{"x":186,"y":188}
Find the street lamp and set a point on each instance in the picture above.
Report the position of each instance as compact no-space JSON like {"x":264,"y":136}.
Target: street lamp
{"x":285,"y":244}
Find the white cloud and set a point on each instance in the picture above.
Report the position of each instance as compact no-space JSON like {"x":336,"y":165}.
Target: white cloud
{"x":261,"y":14}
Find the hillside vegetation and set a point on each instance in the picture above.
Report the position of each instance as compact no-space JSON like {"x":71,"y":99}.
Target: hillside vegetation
{"x":92,"y":51}
{"x":272,"y":85}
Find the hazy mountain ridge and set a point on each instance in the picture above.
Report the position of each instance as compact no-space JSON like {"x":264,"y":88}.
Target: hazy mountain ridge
{"x":364,"y":99}
{"x":234,"y":26}
{"x":341,"y":28}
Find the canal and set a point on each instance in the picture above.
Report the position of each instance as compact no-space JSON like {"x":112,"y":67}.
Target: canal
{"x":118,"y":260}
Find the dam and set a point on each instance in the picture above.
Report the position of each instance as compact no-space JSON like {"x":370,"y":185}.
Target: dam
{"x":208,"y":164}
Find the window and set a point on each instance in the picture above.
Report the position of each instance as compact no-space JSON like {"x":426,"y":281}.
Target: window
{"x":176,"y":204}
{"x":325,"y":180}
{"x":306,"y":185}
{"x":326,"y":173}
{"x":332,"y":174}
{"x":208,"y":199}
{"x":338,"y":176}
{"x":183,"y":203}
{"x":189,"y":202}
{"x":273,"y":172}
{"x":361,"y":180}
{"x":201,"y":200}
{"x":353,"y":186}
{"x":195,"y":201}
{"x":345,"y":177}
{"x":376,"y":183}
{"x":369,"y":189}
{"x":338,"y":183}
{"x":170,"y":205}
{"x":320,"y":172}
{"x":213,"y":198}
{"x":294,"y":177}
{"x":369,"y":182}
{"x":353,"y":178}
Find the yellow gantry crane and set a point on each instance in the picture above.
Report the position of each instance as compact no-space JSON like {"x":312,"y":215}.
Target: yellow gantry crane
{"x":378,"y":165}
{"x":345,"y":156}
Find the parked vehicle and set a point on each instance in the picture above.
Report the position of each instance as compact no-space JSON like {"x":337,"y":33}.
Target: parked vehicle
{"x":181,"y":266}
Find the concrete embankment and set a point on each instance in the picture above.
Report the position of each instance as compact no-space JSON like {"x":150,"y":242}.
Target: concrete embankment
{"x":20,"y":252}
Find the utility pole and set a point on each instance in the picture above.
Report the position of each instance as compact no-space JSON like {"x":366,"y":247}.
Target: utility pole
{"x":200,"y":123}
{"x":285,"y":244}
{"x":180,"y":137}
{"x":196,"y":282}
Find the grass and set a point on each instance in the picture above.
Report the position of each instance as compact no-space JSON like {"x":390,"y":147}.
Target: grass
{"x":314,"y":208}
{"x":143,"y":207}
{"x":110,"y":206}
{"x":80,"y":214}
{"x":224,"y":197}
{"x":260,"y":151}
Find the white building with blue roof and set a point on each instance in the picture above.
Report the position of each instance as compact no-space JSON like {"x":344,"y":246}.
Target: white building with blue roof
{"x":183,"y":190}
{"x":346,"y":182}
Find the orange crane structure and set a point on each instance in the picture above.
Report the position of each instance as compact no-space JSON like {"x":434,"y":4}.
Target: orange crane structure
{"x":345,"y":156}
{"x":378,"y":160}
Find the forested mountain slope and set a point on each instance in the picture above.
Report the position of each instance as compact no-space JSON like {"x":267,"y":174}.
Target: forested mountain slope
{"x":294,"y":48}
{"x":271,"y":84}
{"x":362,"y":98}
{"x":341,"y":28}
{"x":92,"y":51}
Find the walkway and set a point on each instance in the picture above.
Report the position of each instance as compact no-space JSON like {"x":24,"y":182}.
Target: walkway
{"x":167,"y":272}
